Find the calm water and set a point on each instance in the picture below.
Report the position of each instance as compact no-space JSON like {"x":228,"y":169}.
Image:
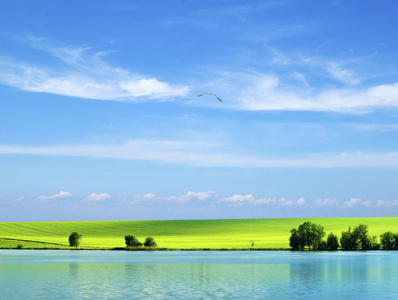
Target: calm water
{"x":26,"y":274}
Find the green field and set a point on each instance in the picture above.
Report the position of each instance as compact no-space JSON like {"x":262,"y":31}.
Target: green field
{"x":180,"y":234}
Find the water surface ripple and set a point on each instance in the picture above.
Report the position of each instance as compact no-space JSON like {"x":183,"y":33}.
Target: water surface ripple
{"x":35,"y":274}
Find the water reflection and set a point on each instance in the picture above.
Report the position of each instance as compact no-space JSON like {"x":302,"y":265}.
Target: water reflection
{"x":237,"y":275}
{"x":206,"y":280}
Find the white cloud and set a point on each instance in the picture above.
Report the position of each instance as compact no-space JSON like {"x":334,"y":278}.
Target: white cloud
{"x":98,"y":197}
{"x":202,"y":196}
{"x":384,"y":203}
{"x":239,"y":199}
{"x":61,"y":194}
{"x":192,"y":198}
{"x":249,"y":198}
{"x":380,"y":203}
{"x":283,"y":201}
{"x":149,"y":196}
{"x":273,"y":90}
{"x":81,"y":73}
{"x":266,"y":92}
{"x":152,"y":88}
{"x":353,"y":202}
{"x":326,"y":202}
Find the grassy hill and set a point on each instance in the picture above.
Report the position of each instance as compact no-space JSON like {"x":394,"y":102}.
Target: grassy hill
{"x":178,"y":234}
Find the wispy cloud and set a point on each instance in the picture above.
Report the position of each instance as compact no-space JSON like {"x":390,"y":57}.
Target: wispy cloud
{"x":341,"y":74}
{"x":261,"y":91}
{"x":372,"y":127}
{"x":61,"y":194}
{"x":81,"y":72}
{"x":203,"y":153}
{"x":319,"y":84}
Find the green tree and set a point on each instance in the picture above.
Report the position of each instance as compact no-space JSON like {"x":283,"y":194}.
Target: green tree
{"x":361,"y":233}
{"x":304,"y":232}
{"x":295,"y":240}
{"x":365,"y":241}
{"x":75,"y":239}
{"x":307,"y":234}
{"x":374,"y":243}
{"x":348,"y":240}
{"x":387,"y":240}
{"x":323,"y":246}
{"x":358,"y":239}
{"x":332,"y":242}
{"x":132,"y":241}
{"x":316,"y":235}
{"x":150,"y":242}
{"x":396,"y":242}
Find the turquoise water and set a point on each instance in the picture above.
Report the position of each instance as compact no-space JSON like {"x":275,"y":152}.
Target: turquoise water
{"x":35,"y":274}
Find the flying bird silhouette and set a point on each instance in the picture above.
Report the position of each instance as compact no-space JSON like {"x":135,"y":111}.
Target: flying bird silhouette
{"x":210,"y":94}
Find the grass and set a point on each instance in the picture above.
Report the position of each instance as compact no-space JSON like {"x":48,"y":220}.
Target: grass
{"x":178,"y":234}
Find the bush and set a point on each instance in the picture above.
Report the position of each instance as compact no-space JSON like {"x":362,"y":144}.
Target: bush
{"x":132,"y":241}
{"x":389,"y":241}
{"x":150,"y":242}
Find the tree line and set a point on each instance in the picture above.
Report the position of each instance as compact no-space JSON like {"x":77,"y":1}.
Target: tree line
{"x":130,"y":240}
{"x":312,"y":236}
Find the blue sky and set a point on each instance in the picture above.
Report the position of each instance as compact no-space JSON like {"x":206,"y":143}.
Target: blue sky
{"x":100,"y":119}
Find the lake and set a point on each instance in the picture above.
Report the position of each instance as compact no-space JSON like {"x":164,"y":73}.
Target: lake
{"x":47,"y":274}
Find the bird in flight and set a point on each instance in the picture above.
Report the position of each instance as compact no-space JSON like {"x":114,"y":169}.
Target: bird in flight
{"x":210,"y":94}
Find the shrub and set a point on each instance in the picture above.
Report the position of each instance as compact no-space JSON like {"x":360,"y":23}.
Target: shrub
{"x":150,"y":242}
{"x":389,"y":241}
{"x":132,"y":241}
